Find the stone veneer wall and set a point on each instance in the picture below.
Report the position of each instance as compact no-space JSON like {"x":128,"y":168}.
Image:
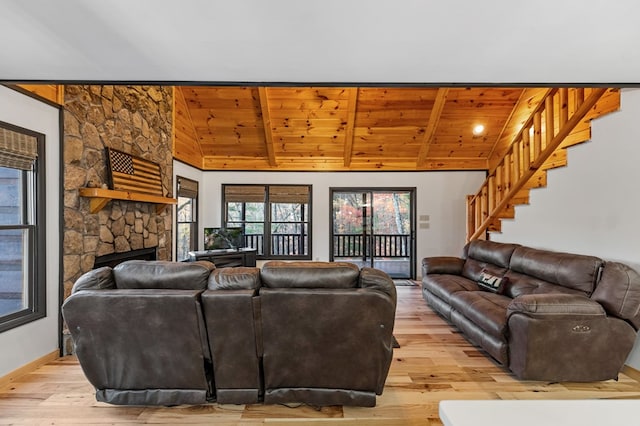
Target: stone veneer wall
{"x":133,"y":119}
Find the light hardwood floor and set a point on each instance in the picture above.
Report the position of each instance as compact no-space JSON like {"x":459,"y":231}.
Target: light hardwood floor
{"x":434,"y":363}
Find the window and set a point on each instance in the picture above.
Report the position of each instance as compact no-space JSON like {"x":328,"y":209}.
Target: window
{"x":22,"y":231}
{"x":186,"y":217}
{"x":275,"y":218}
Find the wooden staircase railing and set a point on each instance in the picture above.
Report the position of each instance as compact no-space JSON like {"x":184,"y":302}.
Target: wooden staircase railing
{"x":536,"y":142}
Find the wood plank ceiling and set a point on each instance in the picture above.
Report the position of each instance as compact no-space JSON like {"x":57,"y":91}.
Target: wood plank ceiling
{"x":346,"y":128}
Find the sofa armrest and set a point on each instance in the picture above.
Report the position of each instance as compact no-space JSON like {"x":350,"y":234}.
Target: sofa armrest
{"x":378,"y":280}
{"x":96,"y":279}
{"x":442,"y":265}
{"x":553,"y":304}
{"x":564,"y":337}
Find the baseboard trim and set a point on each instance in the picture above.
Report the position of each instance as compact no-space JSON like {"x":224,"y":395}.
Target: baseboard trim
{"x":28,"y":368}
{"x":631,"y":372}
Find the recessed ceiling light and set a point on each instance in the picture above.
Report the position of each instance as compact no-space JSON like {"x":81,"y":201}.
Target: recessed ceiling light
{"x":478,"y":129}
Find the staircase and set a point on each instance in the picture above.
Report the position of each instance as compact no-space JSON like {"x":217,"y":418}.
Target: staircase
{"x":561,"y":119}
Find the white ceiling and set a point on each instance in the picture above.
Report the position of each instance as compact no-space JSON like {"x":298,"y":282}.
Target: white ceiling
{"x":322,"y":41}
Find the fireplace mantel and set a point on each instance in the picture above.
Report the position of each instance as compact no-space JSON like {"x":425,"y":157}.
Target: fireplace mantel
{"x":100,"y":197}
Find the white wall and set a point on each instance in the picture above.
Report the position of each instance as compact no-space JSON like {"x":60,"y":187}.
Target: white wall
{"x":591,"y":206}
{"x":31,"y":341}
{"x":441,"y":195}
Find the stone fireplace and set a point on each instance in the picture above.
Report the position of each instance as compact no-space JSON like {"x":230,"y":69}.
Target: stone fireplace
{"x":114,"y":259}
{"x":133,"y":119}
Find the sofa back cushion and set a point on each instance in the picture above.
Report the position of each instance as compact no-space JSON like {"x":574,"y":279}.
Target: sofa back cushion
{"x":619,"y":292}
{"x":487,"y":256}
{"x":161,"y":274}
{"x":574,"y":271}
{"x":309,"y":275}
{"x":520,"y":284}
{"x":237,"y":278}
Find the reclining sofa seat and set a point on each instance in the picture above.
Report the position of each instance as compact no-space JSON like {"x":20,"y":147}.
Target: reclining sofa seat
{"x":232,"y":320}
{"x":139,"y":333}
{"x":559,"y":316}
{"x":326,"y":332}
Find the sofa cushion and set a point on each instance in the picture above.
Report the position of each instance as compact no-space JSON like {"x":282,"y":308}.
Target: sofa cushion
{"x":573,"y":271}
{"x":519,"y":284}
{"x":491,"y":252}
{"x":489,"y":256}
{"x":161,"y":274}
{"x":309,"y":275}
{"x":496,"y":346}
{"x":487,"y":310}
{"x":443,"y":286}
{"x":239,"y":278}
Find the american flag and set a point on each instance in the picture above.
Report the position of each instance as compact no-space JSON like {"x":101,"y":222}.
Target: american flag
{"x":130,"y":173}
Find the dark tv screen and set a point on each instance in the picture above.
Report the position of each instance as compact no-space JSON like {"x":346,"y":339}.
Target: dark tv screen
{"x":223,"y":238}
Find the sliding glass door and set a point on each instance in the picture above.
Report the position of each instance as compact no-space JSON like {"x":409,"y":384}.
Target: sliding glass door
{"x":376,"y":228}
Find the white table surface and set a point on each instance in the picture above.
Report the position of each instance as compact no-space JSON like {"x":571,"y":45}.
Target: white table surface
{"x":537,"y":412}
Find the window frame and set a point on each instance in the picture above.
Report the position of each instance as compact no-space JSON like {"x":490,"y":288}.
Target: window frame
{"x":267,"y":223}
{"x":194,"y":223}
{"x":34,"y":205}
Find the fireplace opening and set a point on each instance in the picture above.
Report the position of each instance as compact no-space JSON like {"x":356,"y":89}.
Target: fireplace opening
{"x":115,"y":258}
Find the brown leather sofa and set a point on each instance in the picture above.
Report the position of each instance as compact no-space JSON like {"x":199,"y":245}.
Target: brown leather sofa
{"x":167,"y":333}
{"x":546,"y":315}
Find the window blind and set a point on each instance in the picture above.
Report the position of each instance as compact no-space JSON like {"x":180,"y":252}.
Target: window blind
{"x":17,"y":150}
{"x":244,"y":193}
{"x":295,"y":194}
{"x":187,"y":188}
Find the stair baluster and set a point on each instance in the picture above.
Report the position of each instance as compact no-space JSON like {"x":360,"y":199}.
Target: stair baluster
{"x":522,"y":164}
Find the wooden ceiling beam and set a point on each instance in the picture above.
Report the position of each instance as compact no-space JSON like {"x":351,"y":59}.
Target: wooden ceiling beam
{"x":295,"y":163}
{"x":266,"y":120}
{"x":434,"y":118}
{"x":351,"y":122}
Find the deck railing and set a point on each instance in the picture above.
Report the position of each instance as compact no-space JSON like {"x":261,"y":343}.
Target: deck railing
{"x":382,"y":245}
{"x":281,"y":244}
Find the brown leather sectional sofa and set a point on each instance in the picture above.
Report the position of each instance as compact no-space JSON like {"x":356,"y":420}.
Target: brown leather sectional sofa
{"x":546,"y":315}
{"x":167,"y":333}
